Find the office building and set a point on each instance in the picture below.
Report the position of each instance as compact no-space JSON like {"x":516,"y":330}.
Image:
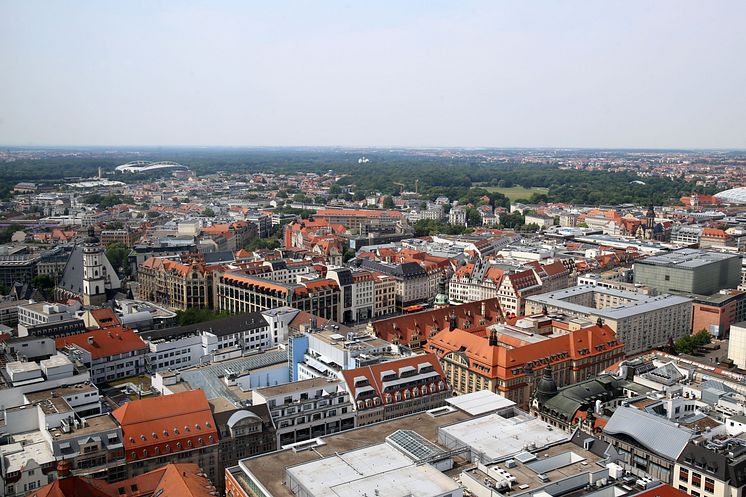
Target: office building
{"x":689,"y":271}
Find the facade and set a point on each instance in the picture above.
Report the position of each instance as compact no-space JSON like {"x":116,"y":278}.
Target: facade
{"x":509,"y":359}
{"x":307,"y":409}
{"x":396,"y":388}
{"x":412,"y":283}
{"x":712,"y":468}
{"x":357,"y":293}
{"x":360,"y":220}
{"x":174,"y":284}
{"x":716,"y":313}
{"x":240,"y":293}
{"x":243,"y":433}
{"x":109,"y":354}
{"x":36,"y":313}
{"x":737,"y":344}
{"x":384,"y":295}
{"x":414,"y":330}
{"x":640,"y":321}
{"x":689,"y":271}
{"x":159,"y":430}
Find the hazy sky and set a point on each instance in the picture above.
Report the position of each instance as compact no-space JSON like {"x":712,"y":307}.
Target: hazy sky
{"x":404,"y":73}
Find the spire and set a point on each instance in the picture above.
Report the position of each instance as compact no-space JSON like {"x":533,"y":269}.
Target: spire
{"x":547,"y":388}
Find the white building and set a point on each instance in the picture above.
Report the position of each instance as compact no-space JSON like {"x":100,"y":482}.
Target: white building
{"x":737,"y":344}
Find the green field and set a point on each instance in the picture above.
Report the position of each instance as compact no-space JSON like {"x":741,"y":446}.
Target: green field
{"x":515,"y":192}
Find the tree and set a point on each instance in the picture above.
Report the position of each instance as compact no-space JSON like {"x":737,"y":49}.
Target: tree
{"x":691,"y":343}
{"x":117,"y":254}
{"x":388,"y":202}
{"x":208,"y":212}
{"x":473,"y":218}
{"x":42,"y":282}
{"x":195,"y":315}
{"x":262,"y":244}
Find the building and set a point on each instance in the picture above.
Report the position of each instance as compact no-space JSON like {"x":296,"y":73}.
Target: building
{"x":109,"y":354}
{"x":244,"y":432}
{"x":175,"y":284}
{"x":396,"y":388}
{"x":384,"y":295}
{"x":306,"y":409}
{"x":716,"y":313}
{"x":640,"y":321}
{"x":363,"y":221}
{"x":412,"y":282}
{"x":183,"y":479}
{"x":88,"y":275}
{"x":414,"y":330}
{"x":36,"y":313}
{"x":509,"y":359}
{"x":357,"y":293}
{"x":715,"y":468}
{"x":737,"y":344}
{"x":126,"y":237}
{"x":159,"y":430}
{"x":689,"y":271}
{"x":240,"y":293}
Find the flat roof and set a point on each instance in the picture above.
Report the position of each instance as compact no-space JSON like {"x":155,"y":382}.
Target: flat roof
{"x":376,"y":470}
{"x":640,"y":303}
{"x":296,"y":386}
{"x":269,"y":469}
{"x":687,"y":258}
{"x":497,"y":438}
{"x":480,"y":402}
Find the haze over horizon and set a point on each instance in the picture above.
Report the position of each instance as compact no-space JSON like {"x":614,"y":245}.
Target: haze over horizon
{"x":629,"y":74}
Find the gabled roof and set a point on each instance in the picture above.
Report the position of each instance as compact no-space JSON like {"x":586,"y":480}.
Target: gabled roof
{"x":656,"y":434}
{"x":105,"y":342}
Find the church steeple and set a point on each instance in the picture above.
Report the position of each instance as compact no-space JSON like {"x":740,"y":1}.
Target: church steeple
{"x":94,"y":277}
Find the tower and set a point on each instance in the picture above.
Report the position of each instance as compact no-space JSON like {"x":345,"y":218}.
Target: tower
{"x":650,"y":218}
{"x":94,"y":278}
{"x":441,"y":299}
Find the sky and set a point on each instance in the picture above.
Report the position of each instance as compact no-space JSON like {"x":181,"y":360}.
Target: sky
{"x":597,"y":74}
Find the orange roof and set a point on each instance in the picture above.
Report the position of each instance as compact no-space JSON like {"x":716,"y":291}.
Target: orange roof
{"x":166,"y":424}
{"x":663,"y":490}
{"x":105,"y":317}
{"x":506,"y":363}
{"x":182,"y":479}
{"x":358,"y":213}
{"x":105,"y":342}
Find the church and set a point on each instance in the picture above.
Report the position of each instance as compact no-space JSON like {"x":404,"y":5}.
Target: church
{"x":88,"y":276}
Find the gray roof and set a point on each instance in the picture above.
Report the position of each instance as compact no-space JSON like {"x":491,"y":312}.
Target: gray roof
{"x":219,"y":327}
{"x":687,"y":258}
{"x":72,"y":276}
{"x":640,"y":303}
{"x":218,"y":257}
{"x":656,"y":434}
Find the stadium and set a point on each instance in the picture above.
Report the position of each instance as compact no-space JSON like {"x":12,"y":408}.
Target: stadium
{"x":732,"y":196}
{"x":142,"y":166}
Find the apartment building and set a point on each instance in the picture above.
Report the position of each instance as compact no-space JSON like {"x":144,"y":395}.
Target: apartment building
{"x":509,"y":358}
{"x":307,"y":409}
{"x":396,"y":388}
{"x":169,"y":428}
{"x":240,"y":293}
{"x":175,"y":284}
{"x":109,"y":354}
{"x":641,"y":322}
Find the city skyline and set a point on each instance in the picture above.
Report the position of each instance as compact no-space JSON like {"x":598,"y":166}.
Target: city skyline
{"x":629,"y":75}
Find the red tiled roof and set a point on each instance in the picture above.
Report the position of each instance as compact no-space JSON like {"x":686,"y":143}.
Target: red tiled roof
{"x":105,"y":343}
{"x":174,"y":479}
{"x":167,"y":424}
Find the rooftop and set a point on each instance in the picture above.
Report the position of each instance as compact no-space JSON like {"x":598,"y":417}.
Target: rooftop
{"x":269,"y":469}
{"x":687,"y":258}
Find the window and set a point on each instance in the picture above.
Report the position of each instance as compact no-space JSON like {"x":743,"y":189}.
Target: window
{"x":696,"y":480}
{"x":709,"y":485}
{"x":684,"y":474}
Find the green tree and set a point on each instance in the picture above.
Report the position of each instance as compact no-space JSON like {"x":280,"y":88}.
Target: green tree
{"x":43,"y":282}
{"x":117,"y":253}
{"x":262,"y":243}
{"x":195,"y":315}
{"x":691,"y":343}
{"x":208,"y":212}
{"x":388,"y":202}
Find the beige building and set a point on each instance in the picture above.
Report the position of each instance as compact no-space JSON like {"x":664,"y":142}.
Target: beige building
{"x":174,"y":284}
{"x":641,"y":322}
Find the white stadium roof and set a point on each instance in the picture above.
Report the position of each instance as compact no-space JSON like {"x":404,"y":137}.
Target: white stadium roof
{"x":733,"y":196}
{"x":142,"y":166}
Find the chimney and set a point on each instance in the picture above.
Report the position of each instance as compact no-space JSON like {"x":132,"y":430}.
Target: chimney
{"x":452,"y":322}
{"x":493,"y":338}
{"x":90,"y":340}
{"x":483,"y":309}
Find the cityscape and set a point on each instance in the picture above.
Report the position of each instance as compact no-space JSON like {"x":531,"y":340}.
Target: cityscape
{"x":404,"y":318}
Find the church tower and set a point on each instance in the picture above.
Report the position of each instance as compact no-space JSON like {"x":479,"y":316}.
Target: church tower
{"x":650,"y":218}
{"x":94,"y":279}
